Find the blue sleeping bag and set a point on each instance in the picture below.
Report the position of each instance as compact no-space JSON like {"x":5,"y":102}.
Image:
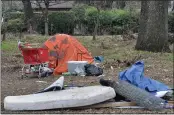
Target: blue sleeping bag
{"x":135,"y":76}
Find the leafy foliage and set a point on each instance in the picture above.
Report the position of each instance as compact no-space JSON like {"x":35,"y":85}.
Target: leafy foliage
{"x":79,"y":12}
{"x":171,"y":22}
{"x":59,"y":22}
{"x":15,"y":25}
{"x":91,"y":15}
{"x":15,"y":15}
{"x":110,"y":21}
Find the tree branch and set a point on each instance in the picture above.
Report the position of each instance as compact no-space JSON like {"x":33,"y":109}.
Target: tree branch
{"x":57,"y":3}
{"x":38,"y":4}
{"x":49,"y":4}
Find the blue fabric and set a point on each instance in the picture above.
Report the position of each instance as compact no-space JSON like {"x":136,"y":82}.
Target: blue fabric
{"x":99,"y":59}
{"x":135,"y":76}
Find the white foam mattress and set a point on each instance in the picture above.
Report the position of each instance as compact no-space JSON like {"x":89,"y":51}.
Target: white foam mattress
{"x":60,"y":99}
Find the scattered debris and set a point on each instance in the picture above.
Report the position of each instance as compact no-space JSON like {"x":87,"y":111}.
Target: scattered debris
{"x":18,"y":55}
{"x":57,"y":85}
{"x":99,"y":59}
{"x":121,"y":63}
{"x":41,"y":81}
{"x":135,"y":76}
{"x":92,"y":70}
{"x":123,"y":104}
{"x":135,"y":94}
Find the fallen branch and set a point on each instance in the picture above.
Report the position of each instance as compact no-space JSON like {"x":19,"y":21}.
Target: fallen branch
{"x":116,"y":104}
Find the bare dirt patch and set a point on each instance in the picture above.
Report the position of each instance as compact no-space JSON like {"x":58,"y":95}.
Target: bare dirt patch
{"x":157,"y":66}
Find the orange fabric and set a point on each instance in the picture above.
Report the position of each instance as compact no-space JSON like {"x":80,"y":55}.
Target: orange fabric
{"x":64,"y":48}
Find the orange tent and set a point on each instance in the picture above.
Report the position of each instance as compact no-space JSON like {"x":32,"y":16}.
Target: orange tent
{"x":64,"y":48}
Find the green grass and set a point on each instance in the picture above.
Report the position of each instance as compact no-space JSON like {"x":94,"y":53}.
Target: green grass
{"x":116,"y":49}
{"x":9,"y":46}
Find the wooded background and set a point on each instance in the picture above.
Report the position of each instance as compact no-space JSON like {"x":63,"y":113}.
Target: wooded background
{"x":153,"y":20}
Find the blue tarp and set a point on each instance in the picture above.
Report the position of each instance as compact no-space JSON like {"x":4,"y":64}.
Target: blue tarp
{"x":135,"y":76}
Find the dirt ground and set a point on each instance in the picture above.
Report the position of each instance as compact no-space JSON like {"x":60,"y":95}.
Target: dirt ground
{"x":11,"y":83}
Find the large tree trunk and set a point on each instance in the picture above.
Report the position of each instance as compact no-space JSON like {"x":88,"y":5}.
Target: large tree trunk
{"x":29,"y":16}
{"x":153,"y":31}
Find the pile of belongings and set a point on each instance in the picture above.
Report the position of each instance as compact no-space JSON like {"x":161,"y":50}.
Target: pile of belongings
{"x":83,"y":68}
{"x":135,"y":75}
{"x":45,"y":71}
{"x":133,"y":88}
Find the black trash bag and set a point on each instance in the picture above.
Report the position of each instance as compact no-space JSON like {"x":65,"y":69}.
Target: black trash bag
{"x":92,"y":70}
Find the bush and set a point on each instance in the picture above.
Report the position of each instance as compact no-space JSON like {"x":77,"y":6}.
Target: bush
{"x":79,"y":13}
{"x":59,"y":22}
{"x":90,"y":20}
{"x":110,"y":21}
{"x":15,"y":15}
{"x":123,"y":21}
{"x":171,"y":22}
{"x":15,"y":25}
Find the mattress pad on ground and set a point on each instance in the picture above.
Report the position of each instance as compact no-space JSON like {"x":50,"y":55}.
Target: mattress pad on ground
{"x":60,"y":99}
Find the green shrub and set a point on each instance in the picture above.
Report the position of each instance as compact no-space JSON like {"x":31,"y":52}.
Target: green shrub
{"x":106,"y":17}
{"x":15,"y":25}
{"x":171,"y":22}
{"x":15,"y":15}
{"x":79,"y":13}
{"x":90,"y":21}
{"x":59,"y":22}
{"x":122,"y":21}
{"x":110,"y":21}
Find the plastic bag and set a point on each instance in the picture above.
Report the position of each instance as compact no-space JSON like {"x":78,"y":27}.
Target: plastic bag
{"x":92,"y":70}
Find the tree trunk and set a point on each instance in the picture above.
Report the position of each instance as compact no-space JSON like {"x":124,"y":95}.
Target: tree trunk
{"x":46,"y":22}
{"x":5,"y":22}
{"x":120,"y":4}
{"x":153,"y":31}
{"x":29,"y":16}
{"x":96,"y":25}
{"x":170,"y":6}
{"x":173,"y":6}
{"x":0,"y":15}
{"x":107,"y":4}
{"x":46,"y":17}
